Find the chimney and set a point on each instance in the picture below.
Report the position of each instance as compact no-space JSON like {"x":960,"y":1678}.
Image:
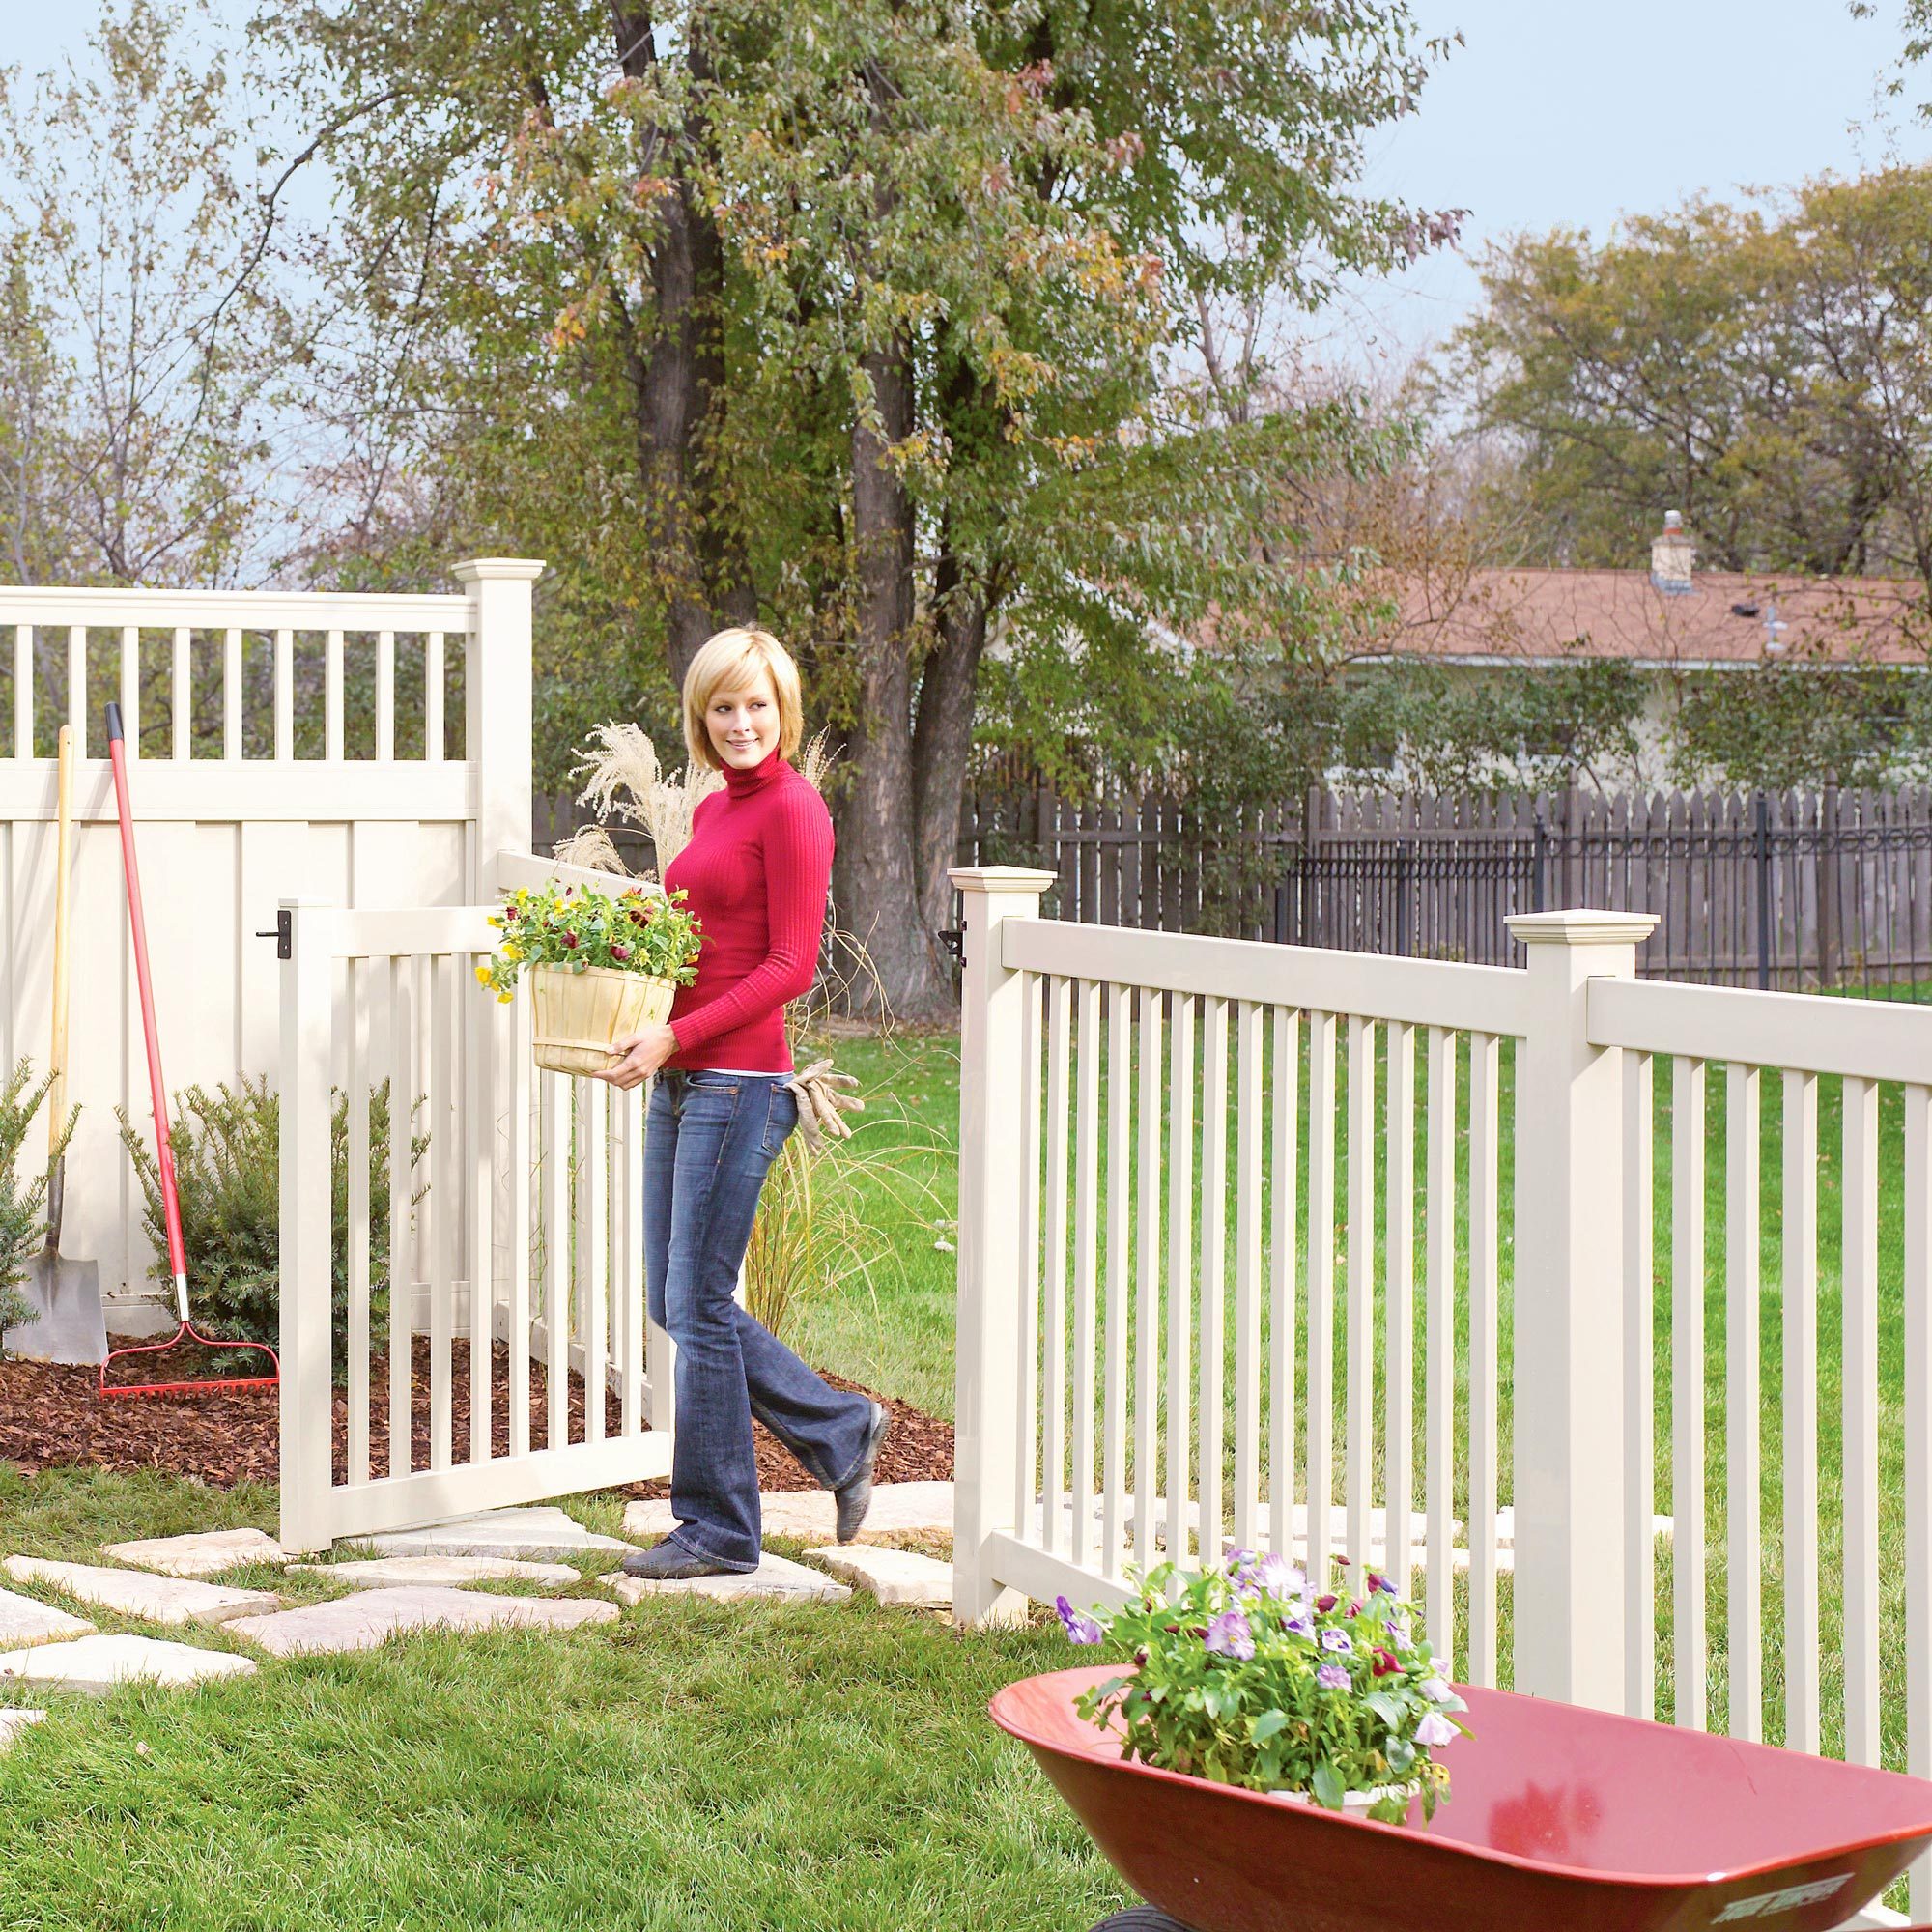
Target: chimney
{"x":1671,"y":555}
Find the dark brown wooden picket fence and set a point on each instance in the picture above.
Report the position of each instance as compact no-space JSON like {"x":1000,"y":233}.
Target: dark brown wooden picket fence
{"x":1795,"y":891}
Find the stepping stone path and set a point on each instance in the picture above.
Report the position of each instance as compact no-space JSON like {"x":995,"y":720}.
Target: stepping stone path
{"x":775,"y":1576}
{"x":134,"y":1593}
{"x":893,"y":1576}
{"x":201,"y":1553}
{"x":26,"y":1620}
{"x":100,"y":1662}
{"x":543,"y":1534}
{"x":810,"y":1516}
{"x":366,"y":1619}
{"x":377,"y":1573}
{"x":15,"y":1723}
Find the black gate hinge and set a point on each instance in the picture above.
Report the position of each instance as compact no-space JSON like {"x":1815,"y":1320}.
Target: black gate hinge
{"x":954,"y":939}
{"x":283,"y":934}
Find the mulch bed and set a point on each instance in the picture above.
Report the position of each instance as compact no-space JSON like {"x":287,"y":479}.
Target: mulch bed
{"x":51,"y":1415}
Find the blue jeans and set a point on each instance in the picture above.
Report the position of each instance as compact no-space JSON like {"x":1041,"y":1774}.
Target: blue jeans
{"x":710,"y":1139}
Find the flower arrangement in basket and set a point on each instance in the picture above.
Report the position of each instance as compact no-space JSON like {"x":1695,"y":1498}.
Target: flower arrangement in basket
{"x":1247,"y":1675}
{"x":600,"y":966}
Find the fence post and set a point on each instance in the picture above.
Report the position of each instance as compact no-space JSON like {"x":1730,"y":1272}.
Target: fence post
{"x":1569,"y":1276}
{"x":1763,"y":855}
{"x":1826,"y":863}
{"x":497,"y":703}
{"x":991,"y":1270}
{"x":307,"y":1238}
{"x":1313,"y":811}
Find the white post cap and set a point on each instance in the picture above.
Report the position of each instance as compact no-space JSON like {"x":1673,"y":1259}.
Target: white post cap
{"x":1000,"y":879}
{"x":489,"y":569}
{"x":1582,"y":926}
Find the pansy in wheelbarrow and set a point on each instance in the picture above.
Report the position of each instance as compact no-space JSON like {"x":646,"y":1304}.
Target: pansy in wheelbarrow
{"x":1246,"y":1674}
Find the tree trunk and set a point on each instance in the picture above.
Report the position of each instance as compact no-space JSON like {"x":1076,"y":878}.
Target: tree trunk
{"x":876,"y":882}
{"x":678,"y":378}
{"x":943,"y":740}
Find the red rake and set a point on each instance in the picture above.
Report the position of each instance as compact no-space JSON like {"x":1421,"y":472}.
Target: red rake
{"x":163,"y":1145}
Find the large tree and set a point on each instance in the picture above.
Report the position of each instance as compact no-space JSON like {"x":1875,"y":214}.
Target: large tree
{"x":1767,"y":369}
{"x":869,"y":320}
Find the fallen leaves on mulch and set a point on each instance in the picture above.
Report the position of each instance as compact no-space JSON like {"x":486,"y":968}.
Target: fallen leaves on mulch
{"x":51,"y":1414}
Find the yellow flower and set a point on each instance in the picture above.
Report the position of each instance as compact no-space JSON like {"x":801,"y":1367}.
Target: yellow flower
{"x":512,"y":953}
{"x":482,"y":976}
{"x":503,"y":999}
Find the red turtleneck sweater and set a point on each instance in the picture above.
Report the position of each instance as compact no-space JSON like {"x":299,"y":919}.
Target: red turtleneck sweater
{"x":757,"y":872}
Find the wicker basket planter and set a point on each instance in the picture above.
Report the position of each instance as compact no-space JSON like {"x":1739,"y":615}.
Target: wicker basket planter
{"x":578,"y":1016}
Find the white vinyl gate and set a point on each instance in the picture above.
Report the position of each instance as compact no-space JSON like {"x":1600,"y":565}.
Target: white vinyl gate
{"x":512,"y":1212}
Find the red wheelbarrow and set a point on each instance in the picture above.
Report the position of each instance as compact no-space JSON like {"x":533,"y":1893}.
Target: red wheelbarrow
{"x":1560,"y":1820}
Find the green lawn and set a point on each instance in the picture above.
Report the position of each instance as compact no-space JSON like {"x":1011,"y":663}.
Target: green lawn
{"x":725,"y":1767}
{"x":647,"y":1776}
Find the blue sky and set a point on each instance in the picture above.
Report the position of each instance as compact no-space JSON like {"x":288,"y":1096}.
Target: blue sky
{"x":1560,"y":113}
{"x":1555,"y":111}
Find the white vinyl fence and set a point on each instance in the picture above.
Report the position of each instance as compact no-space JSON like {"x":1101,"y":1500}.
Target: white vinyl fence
{"x":526,"y":1182}
{"x":283,"y":746}
{"x":1437,"y":1267}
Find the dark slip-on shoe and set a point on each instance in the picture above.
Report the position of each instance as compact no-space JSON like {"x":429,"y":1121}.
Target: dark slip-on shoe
{"x":854,"y":1497}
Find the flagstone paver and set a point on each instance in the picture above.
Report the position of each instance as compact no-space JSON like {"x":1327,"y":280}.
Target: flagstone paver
{"x":893,"y":1576}
{"x":775,"y":1576}
{"x":26,"y":1620}
{"x":540,"y":1534}
{"x":14,"y":1724}
{"x":368,"y":1617}
{"x":201,"y":1553}
{"x":137,"y":1593}
{"x":100,"y":1662}
{"x":810,"y":1516}
{"x":376,"y":1573}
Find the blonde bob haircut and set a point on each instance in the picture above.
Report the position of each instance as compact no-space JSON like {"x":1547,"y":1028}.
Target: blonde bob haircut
{"x":730,"y":660}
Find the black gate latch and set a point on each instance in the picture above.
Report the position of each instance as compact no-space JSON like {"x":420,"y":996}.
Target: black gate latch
{"x":283,"y":934}
{"x":954,"y":939}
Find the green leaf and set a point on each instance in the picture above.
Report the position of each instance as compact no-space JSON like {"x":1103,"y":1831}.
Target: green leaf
{"x":1386,"y":1708}
{"x":1327,"y":1785}
{"x":1268,"y":1724}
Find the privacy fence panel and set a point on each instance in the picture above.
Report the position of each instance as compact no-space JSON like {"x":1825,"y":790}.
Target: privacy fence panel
{"x":366,"y":749}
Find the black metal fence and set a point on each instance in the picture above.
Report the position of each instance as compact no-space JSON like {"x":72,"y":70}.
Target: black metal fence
{"x":1793,"y":891}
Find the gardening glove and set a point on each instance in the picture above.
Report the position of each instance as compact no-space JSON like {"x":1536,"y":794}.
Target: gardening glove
{"x":821,"y":1105}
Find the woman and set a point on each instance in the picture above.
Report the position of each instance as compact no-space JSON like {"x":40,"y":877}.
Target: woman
{"x":756,"y":873}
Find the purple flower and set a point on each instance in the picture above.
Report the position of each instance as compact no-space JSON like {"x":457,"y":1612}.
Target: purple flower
{"x":1398,"y":1628}
{"x":1279,"y":1576}
{"x":1435,"y":1729}
{"x":1229,"y":1636}
{"x":1386,"y":1664}
{"x":1339,"y":1641}
{"x":1079,"y":1628}
{"x":1333,"y":1677}
{"x":1436,"y":1690}
{"x":1302,"y":1623}
{"x":1376,"y":1582}
{"x":1325,"y":1603}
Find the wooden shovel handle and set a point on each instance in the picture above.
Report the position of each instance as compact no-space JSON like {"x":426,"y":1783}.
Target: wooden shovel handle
{"x":63,"y":865}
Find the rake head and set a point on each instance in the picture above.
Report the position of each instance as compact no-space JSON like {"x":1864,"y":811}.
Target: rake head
{"x":188,"y":1333}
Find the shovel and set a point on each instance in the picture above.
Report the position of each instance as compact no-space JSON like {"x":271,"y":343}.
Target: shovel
{"x":70,"y":1324}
